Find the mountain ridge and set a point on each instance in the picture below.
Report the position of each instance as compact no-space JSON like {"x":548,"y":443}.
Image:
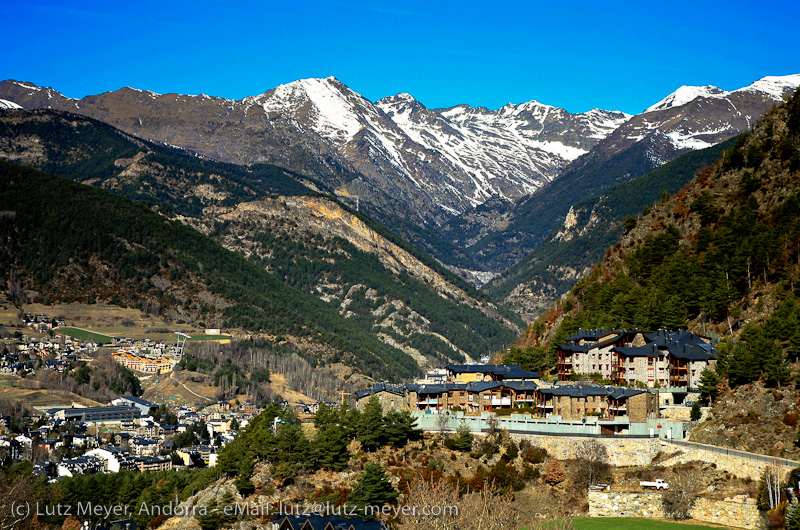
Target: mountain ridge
{"x":638,"y":146}
{"x":477,"y":188}
{"x":311,"y":241}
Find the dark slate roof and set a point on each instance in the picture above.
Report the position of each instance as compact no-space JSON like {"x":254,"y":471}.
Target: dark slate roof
{"x":152,"y":459}
{"x":649,"y":350}
{"x":692,"y":352}
{"x":398,"y":389}
{"x":615,"y":392}
{"x":589,"y":334}
{"x":520,"y":385}
{"x":472,"y":386}
{"x":471,"y":368}
{"x":436,"y":389}
{"x":665,"y":337}
{"x":507,"y":371}
{"x":140,"y":401}
{"x":480,"y":386}
{"x":574,"y":348}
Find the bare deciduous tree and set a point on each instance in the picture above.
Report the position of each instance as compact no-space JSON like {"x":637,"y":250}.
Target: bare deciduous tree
{"x":592,"y":464}
{"x":438,"y":505}
{"x":442,"y":422}
{"x":15,"y":489}
{"x":16,"y":292}
{"x":679,"y":499}
{"x":770,"y":496}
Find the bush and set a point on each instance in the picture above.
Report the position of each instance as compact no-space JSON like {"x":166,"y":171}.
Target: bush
{"x":534,"y":455}
{"x":695,"y":413}
{"x":529,"y":472}
{"x":513,"y":450}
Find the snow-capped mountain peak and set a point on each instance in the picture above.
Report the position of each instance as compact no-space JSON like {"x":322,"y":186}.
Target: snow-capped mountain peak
{"x":775,"y":86}
{"x":684,"y":95}
{"x":333,"y":109}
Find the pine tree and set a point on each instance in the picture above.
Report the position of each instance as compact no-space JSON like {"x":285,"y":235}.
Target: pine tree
{"x":331,"y":448}
{"x":775,"y":365}
{"x":325,"y":416}
{"x":463,"y":440}
{"x":792,"y":520}
{"x":708,"y":385}
{"x":372,"y":489}
{"x":291,"y":445}
{"x":695,"y":413}
{"x":371,"y":428}
{"x":244,"y":481}
{"x":400,"y":428}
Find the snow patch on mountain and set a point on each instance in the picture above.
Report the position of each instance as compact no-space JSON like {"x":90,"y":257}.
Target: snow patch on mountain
{"x":331,"y":113}
{"x":506,"y":153}
{"x":5,"y":104}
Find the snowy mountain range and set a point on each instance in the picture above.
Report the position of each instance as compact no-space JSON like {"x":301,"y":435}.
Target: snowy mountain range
{"x":423,"y":171}
{"x":498,"y":235}
{"x":443,"y":161}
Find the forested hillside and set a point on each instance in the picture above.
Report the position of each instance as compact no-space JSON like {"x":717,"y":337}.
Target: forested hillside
{"x":387,"y":288}
{"x":592,"y":225}
{"x":73,"y":242}
{"x":721,"y":257}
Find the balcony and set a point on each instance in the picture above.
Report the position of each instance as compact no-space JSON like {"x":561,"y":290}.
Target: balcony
{"x":501,"y":402}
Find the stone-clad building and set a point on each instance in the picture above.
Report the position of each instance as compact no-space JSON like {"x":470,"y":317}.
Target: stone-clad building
{"x":390,"y":396}
{"x":573,"y":402}
{"x":654,"y":359}
{"x":490,"y":388}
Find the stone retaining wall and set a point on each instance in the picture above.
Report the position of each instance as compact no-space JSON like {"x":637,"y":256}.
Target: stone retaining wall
{"x":641,"y":451}
{"x":648,"y":505}
{"x":727,"y":513}
{"x":621,"y":451}
{"x":623,"y":504}
{"x":735,"y":465}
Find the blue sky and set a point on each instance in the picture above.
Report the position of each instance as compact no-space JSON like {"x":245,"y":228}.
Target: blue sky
{"x":575,"y":55}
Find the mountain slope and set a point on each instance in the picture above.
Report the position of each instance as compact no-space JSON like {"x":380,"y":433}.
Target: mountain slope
{"x":641,"y":144}
{"x":720,"y":256}
{"x":408,"y":178}
{"x":361,"y":270}
{"x":591,"y":226}
{"x":89,"y":244}
{"x":321,"y":126}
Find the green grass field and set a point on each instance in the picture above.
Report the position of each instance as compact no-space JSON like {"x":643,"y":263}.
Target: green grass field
{"x":210,"y":337}
{"x":626,"y":523}
{"x":99,"y":338}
